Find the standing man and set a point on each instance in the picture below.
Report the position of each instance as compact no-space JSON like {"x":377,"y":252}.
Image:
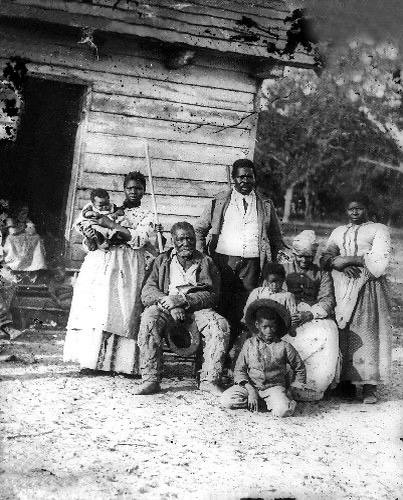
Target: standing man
{"x":244,"y":233}
{"x":184,"y":286}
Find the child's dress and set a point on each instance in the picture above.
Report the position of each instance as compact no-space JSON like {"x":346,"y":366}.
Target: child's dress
{"x":24,"y":250}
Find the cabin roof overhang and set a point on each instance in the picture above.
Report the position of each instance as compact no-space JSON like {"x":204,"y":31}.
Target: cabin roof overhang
{"x":237,"y":27}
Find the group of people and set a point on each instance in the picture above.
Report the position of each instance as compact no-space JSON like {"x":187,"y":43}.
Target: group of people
{"x":22,"y":255}
{"x":286,"y":327}
{"x":22,"y":249}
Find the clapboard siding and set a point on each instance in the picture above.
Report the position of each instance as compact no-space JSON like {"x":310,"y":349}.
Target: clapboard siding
{"x":197,"y":120}
{"x":164,"y":186}
{"x":120,"y":165}
{"x":158,"y":22}
{"x":116,"y":124}
{"x":70,"y":55}
{"x":171,"y":150}
{"x":176,"y":92}
{"x":168,"y":204}
{"x":111,"y":44}
{"x":184,"y":21}
{"x":110,"y":83}
{"x":169,"y":111}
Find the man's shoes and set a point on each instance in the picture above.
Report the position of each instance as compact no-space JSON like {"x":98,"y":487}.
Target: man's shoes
{"x":148,"y":388}
{"x":369,"y":394}
{"x":211,"y":387}
{"x":7,"y":332}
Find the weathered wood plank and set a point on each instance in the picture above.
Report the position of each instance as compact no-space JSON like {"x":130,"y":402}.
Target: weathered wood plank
{"x":78,"y":17}
{"x":231,"y":8}
{"x":167,"y":204}
{"x":117,"y":43}
{"x":193,"y":16}
{"x":175,"y":187}
{"x":121,"y":165}
{"x":23,"y":43}
{"x":108,"y":123}
{"x":110,"y":83}
{"x":162,"y":22}
{"x":176,"y":92}
{"x":128,"y":146}
{"x":169,"y":111}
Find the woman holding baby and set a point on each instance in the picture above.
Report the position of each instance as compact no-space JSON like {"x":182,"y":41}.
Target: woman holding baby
{"x":106,"y":307}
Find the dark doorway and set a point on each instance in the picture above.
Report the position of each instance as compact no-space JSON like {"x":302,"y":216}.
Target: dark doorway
{"x":36,"y":168}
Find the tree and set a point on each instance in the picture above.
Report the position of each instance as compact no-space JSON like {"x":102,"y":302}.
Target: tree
{"x":325,"y":130}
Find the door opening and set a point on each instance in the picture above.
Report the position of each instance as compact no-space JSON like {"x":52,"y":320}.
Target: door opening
{"x":36,"y":168}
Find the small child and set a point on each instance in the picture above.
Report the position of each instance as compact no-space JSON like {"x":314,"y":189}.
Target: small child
{"x":20,"y":223}
{"x":100,"y":206}
{"x":262,"y":368}
{"x":272,"y":288}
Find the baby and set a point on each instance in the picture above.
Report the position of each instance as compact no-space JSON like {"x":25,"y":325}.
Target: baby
{"x":100,"y":206}
{"x":262,"y":369}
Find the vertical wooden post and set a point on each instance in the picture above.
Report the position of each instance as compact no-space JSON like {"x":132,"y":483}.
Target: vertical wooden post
{"x":150,"y":178}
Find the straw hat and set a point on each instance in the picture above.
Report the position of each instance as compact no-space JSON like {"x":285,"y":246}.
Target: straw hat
{"x":183,"y":339}
{"x":279,"y":309}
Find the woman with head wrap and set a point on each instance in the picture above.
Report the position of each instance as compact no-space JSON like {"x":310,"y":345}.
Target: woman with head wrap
{"x":316,"y":334}
{"x":358,"y":254}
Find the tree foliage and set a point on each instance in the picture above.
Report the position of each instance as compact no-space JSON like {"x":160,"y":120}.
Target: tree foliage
{"x":325,"y":136}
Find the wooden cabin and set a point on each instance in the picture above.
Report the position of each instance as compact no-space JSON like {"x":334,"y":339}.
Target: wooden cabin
{"x":105,"y":75}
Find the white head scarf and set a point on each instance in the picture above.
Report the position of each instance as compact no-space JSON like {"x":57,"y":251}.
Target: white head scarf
{"x":305,"y":242}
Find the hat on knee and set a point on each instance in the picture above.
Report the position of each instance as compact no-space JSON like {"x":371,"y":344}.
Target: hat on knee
{"x":281,"y":312}
{"x":183,"y":339}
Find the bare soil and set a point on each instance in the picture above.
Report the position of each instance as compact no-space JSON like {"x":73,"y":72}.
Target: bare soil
{"x":71,"y":437}
{"x":65,"y":436}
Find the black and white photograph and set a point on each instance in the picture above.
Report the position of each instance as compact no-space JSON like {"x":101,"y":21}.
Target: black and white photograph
{"x":201,"y":249}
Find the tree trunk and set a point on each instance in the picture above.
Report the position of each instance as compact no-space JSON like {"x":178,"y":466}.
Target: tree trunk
{"x":287,"y":202}
{"x":308,"y":200}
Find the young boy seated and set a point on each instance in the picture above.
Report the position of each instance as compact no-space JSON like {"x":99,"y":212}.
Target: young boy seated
{"x":100,"y":206}
{"x":262,"y":369}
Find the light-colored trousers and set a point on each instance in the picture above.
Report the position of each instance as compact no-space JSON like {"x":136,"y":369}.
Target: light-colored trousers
{"x":276,"y":399}
{"x":213,"y":328}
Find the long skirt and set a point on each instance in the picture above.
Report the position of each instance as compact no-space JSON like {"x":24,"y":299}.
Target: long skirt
{"x":366,"y":342}
{"x":24,"y":252}
{"x":317,"y":342}
{"x":105,"y":311}
{"x":99,"y":350}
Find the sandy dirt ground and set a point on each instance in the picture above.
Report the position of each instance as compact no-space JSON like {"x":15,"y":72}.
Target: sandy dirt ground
{"x":66,"y":436}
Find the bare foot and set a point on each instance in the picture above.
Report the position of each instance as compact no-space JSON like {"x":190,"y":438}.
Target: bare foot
{"x":148,"y":388}
{"x":211,"y":387}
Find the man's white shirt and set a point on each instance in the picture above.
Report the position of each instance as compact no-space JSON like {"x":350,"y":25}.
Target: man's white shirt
{"x":240,"y":232}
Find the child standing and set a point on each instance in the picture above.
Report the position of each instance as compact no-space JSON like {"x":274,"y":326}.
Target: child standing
{"x":261,"y":368}
{"x":272,"y":288}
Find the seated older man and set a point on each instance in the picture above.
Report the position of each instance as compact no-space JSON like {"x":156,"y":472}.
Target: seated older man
{"x":184,"y":284}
